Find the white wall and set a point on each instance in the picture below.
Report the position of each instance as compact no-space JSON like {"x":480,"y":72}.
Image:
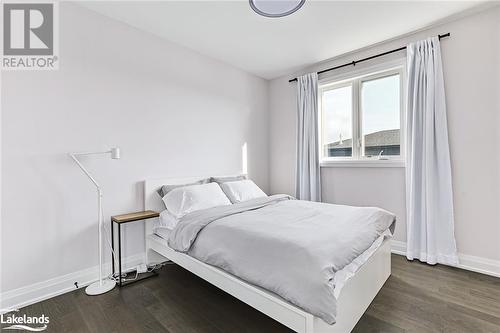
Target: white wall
{"x":172,"y":111}
{"x":471,"y":68}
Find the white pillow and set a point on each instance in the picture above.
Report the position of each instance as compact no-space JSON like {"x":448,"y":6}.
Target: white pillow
{"x":167,"y":220}
{"x":184,"y":200}
{"x":242,"y":190}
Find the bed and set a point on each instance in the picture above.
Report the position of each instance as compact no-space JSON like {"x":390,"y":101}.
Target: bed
{"x":352,"y":301}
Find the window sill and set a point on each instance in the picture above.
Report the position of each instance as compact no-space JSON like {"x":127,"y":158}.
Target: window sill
{"x":363,"y":164}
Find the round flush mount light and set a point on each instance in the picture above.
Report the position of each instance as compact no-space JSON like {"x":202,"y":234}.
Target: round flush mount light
{"x":276,"y":8}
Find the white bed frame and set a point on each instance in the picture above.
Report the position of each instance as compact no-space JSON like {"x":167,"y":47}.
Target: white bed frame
{"x":353,"y":301}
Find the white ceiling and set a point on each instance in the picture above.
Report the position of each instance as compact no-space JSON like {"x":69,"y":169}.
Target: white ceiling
{"x":271,"y":47}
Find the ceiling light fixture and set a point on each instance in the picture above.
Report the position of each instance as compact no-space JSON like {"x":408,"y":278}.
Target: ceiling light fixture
{"x":276,"y":8}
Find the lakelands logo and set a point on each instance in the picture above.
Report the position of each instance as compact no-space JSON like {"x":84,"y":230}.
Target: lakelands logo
{"x":30,"y":36}
{"x":24,"y":322}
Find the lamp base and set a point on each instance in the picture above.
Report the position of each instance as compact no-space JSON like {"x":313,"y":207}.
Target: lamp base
{"x":97,"y":288}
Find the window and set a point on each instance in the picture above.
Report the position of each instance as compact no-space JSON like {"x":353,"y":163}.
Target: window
{"x":337,"y":119}
{"x":361,"y":118}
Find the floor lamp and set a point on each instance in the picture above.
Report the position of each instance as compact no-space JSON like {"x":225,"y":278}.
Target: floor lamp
{"x":103,"y":285}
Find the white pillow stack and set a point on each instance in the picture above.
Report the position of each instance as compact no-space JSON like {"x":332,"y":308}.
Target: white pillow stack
{"x":181,"y":200}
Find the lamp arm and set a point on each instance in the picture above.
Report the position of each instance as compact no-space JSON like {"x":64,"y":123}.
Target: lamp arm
{"x":73,"y":156}
{"x":91,"y":153}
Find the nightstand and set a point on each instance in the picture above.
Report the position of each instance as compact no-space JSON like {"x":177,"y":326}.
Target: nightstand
{"x":122,"y":219}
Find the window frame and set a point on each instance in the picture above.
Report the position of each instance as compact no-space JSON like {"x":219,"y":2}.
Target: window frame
{"x":355,"y":78}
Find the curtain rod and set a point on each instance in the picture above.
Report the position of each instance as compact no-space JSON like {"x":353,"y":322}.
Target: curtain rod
{"x":353,"y":63}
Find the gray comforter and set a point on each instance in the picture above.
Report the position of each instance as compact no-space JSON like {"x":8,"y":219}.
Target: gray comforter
{"x":290,"y":247}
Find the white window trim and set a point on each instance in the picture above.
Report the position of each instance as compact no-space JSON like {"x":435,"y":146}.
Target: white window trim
{"x":393,"y":163}
{"x":360,"y":75}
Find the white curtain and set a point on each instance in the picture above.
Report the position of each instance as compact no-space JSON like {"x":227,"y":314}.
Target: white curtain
{"x":308,"y":184}
{"x":430,"y":234}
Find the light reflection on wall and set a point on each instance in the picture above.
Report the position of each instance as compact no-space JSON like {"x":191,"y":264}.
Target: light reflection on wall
{"x":244,"y":159}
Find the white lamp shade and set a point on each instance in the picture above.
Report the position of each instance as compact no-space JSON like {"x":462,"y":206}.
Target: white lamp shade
{"x":115,"y":153}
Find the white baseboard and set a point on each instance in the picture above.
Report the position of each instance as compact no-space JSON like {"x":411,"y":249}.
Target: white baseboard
{"x":467,"y":262}
{"x":398,"y":247}
{"x":480,"y":265}
{"x":18,"y":298}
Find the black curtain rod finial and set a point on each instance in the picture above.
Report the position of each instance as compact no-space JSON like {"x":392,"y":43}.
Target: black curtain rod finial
{"x":353,"y":63}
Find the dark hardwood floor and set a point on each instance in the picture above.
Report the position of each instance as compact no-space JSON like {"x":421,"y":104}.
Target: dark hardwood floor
{"x":416,"y":298}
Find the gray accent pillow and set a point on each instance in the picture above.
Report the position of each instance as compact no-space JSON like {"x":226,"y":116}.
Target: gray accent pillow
{"x":162,"y":191}
{"x":220,"y":180}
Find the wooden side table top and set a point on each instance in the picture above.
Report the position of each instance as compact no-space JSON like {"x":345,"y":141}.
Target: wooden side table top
{"x":130,"y":217}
